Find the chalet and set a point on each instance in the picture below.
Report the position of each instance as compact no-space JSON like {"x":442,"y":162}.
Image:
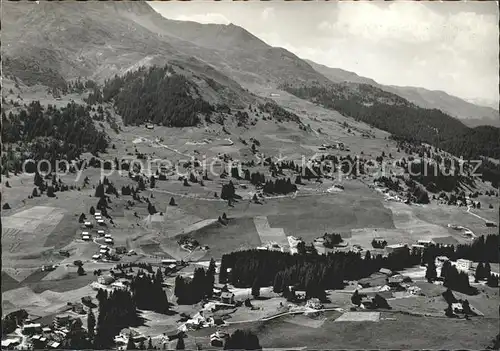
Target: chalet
{"x":217,"y":339}
{"x":441,"y":259}
{"x":169,"y":261}
{"x":54,"y":344}
{"x":300,"y":294}
{"x":227,"y":297}
{"x":105,"y":279}
{"x":119,"y":285}
{"x":314,"y":303}
{"x":463,"y":265}
{"x":396,"y":247}
{"x":78,"y":308}
{"x":445,"y":241}
{"x":32,"y":328}
{"x":48,"y":267}
{"x":62,"y":321}
{"x":385,"y":271}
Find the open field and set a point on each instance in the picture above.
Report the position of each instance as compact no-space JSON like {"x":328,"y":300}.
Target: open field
{"x":357,"y":212}
{"x":268,"y":234}
{"x":43,"y":303}
{"x":399,"y":332}
{"x":359,"y":317}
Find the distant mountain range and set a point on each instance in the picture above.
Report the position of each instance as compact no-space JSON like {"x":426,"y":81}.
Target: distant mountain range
{"x":469,"y":113}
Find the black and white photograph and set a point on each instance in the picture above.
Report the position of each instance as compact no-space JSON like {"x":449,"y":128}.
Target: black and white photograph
{"x":250,"y":175}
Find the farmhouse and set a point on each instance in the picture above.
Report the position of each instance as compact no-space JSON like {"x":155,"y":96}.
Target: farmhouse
{"x":227,"y":297}
{"x":78,"y":308}
{"x":385,"y":271}
{"x":396,"y":247}
{"x":54,"y":344}
{"x":105,"y":279}
{"x":48,"y":267}
{"x":32,"y":328}
{"x":10,"y":343}
{"x":169,"y":261}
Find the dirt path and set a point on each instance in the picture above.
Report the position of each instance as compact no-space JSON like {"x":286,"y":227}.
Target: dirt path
{"x":265,"y":319}
{"x":162,"y":145}
{"x":476,"y":215}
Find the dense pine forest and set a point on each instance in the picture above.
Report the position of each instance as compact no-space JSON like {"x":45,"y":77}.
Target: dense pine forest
{"x":51,"y":133}
{"x":311,"y":272}
{"x":314,"y":273}
{"x":156,"y":95}
{"x":399,"y":117}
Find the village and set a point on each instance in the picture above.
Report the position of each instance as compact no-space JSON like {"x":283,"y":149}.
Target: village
{"x":228,"y":304}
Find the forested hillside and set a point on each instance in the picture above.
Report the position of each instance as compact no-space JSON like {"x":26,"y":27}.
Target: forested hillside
{"x":396,"y":115}
{"x":51,"y":133}
{"x":156,"y":95}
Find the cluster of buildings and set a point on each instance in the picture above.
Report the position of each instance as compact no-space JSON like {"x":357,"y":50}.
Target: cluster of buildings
{"x":340,"y":146}
{"x":52,"y":336}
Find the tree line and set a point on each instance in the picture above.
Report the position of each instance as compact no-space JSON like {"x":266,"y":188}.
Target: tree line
{"x":310,"y":272}
{"x":396,"y":115}
{"x":190,"y":291}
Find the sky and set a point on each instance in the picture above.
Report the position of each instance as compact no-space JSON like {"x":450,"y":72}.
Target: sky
{"x":448,"y":46}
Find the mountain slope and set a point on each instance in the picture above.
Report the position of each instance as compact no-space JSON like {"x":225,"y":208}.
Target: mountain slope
{"x":470,"y":114}
{"x":50,"y":41}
